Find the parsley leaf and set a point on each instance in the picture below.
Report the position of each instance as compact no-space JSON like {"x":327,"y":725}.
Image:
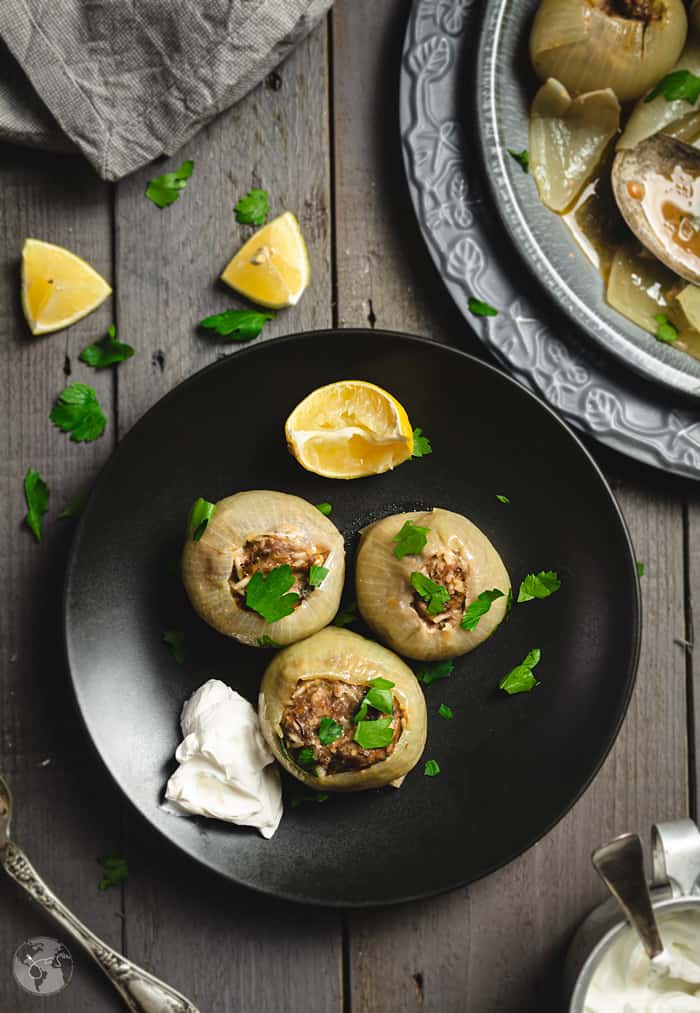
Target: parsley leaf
{"x":479,"y":607}
{"x":266,"y":641}
{"x":379,"y":696}
{"x":325,"y":508}
{"x":328,"y":731}
{"x":538,"y":585}
{"x":107,"y":351}
{"x":502,"y":499}
{"x":175,"y":639}
{"x":481,"y":309}
{"x":640,"y":569}
{"x":36,"y":493}
{"x":308,"y":796}
{"x":521,"y":679}
{"x":267,"y":595}
{"x":411,"y":540}
{"x":239,"y":325}
{"x":347,"y":616}
{"x":679,"y":84}
{"x":521,"y":157}
{"x":77,"y":411}
{"x":317,"y":575}
{"x":436,"y":595}
{"x":665,"y":331}
{"x":421,"y":444}
{"x":164,"y":190}
{"x":445,"y":712}
{"x":253,"y":208}
{"x":115,"y":871}
{"x":201,"y":513}
{"x":374,"y":734}
{"x":432,"y":768}
{"x":74,"y":508}
{"x":305,"y":759}
{"x":431,"y":671}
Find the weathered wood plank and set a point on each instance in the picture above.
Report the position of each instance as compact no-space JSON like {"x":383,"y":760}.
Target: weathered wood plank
{"x":226,"y":948}
{"x":692,"y":634}
{"x":67,"y":811}
{"x":496,"y":946}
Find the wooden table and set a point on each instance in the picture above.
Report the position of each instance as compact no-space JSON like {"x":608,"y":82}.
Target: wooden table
{"x":322,"y":136}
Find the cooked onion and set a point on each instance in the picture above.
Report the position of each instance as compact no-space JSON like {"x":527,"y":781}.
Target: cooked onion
{"x":676,"y":118}
{"x":589,"y":44}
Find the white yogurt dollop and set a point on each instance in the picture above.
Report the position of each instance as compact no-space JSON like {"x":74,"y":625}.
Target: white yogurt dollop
{"x":226,"y":771}
{"x":625,"y":982}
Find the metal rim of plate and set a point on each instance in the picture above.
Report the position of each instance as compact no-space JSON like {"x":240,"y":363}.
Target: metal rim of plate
{"x":474,"y":257}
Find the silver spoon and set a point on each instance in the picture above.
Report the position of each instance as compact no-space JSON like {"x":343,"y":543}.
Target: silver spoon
{"x":620,"y":865}
{"x":141,"y":991}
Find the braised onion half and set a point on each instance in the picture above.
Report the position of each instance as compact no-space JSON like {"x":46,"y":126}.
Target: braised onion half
{"x":677,"y":118}
{"x":309,"y":700}
{"x":626,"y":45}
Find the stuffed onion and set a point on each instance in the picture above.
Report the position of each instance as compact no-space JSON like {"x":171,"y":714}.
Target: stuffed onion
{"x":342,"y":713}
{"x":268,"y":569}
{"x":440,"y":599}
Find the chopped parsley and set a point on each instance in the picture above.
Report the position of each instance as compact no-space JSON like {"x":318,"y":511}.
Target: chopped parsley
{"x":421,"y":444}
{"x":347,"y":616}
{"x":77,"y":411}
{"x":266,"y":641}
{"x":175,"y":639}
{"x":317,"y":575}
{"x":411,"y":540}
{"x":436,"y":595}
{"x":538,"y":585}
{"x":679,"y":84}
{"x":374,"y":734}
{"x":521,"y":157}
{"x":36,"y":493}
{"x":308,"y":796}
{"x":107,"y":351}
{"x":479,"y":607}
{"x":268,"y":595}
{"x":201,"y":513}
{"x":379,"y":696}
{"x":445,"y":712}
{"x":325,"y":508}
{"x":74,"y":508}
{"x":640,"y":569}
{"x":253,"y":208}
{"x":521,"y":679}
{"x":501,"y":498}
{"x":116,"y":871}
{"x":238,"y":325}
{"x":431,"y":671}
{"x":665,"y":330}
{"x":164,"y":190}
{"x":306,"y":759}
{"x":432,"y":768}
{"x":328,"y":731}
{"x":481,"y":309}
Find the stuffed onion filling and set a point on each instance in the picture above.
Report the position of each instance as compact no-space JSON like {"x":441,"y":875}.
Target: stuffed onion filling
{"x":451,"y":572}
{"x":266,"y":553}
{"x":321,"y":725}
{"x":633,"y":10}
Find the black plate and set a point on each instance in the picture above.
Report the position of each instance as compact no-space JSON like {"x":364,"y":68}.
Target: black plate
{"x":511,"y":766}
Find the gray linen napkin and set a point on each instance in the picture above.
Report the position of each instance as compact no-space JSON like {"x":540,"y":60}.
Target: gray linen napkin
{"x":128,"y":80}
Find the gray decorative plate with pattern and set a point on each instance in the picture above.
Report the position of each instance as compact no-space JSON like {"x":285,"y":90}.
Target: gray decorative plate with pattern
{"x":533,"y":335}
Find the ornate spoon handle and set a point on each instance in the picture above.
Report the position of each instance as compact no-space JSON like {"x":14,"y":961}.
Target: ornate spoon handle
{"x":141,"y":991}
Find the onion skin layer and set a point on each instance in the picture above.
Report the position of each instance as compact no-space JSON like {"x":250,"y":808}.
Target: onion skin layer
{"x":339,"y":654}
{"x":385,"y":595}
{"x":207,"y":564}
{"x":579,"y":44}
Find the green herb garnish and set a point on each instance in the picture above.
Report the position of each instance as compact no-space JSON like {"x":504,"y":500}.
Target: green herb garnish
{"x":379,"y":696}
{"x":268,"y":595}
{"x":77,"y":411}
{"x":374,"y":734}
{"x":436,"y":595}
{"x":164,"y":190}
{"x":74,"y":508}
{"x":640,"y":569}
{"x":432,"y":768}
{"x":445,"y":712}
{"x":176,"y":641}
{"x":521,"y":157}
{"x":431,"y":671}
{"x":107,"y":351}
{"x":115,"y":871}
{"x":421,"y":444}
{"x":679,"y":84}
{"x":347,"y":616}
{"x":305,"y":759}
{"x":665,"y":330}
{"x":239,"y":325}
{"x":253,"y":208}
{"x":266,"y":641}
{"x":201,"y":513}
{"x":521,"y":679}
{"x":410,"y":540}
{"x":329,"y":731}
{"x":308,"y":796}
{"x":317,"y":575}
{"x":36,"y":493}
{"x":325,"y":508}
{"x":479,"y":607}
{"x":538,"y":585}
{"x":481,"y":309}
{"x":502,"y":499}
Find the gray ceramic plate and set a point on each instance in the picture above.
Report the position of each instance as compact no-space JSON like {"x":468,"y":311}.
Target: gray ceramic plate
{"x":532,"y":335}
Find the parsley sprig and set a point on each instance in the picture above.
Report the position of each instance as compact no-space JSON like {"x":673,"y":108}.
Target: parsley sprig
{"x":116,"y":871}
{"x":431,"y":671}
{"x":36,"y":493}
{"x":521,"y":157}
{"x":479,"y":308}
{"x":538,"y":585}
{"x":479,"y":607}
{"x":165,"y":190}
{"x":521,"y":679}
{"x":329,"y":731}
{"x":679,"y":84}
{"x":77,"y":411}
{"x":665,"y":330}
{"x":421,"y":444}
{"x":107,"y":351}
{"x":201,"y":513}
{"x":237,"y":325}
{"x":267,"y":595}
{"x":253,"y":208}
{"x":411,"y":540}
{"x":433,"y":593}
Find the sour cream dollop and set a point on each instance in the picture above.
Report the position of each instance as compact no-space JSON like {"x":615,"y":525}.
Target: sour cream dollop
{"x":226,"y":770}
{"x":625,"y":981}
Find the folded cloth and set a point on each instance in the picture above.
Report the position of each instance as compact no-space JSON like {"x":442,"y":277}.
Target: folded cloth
{"x":128,"y":80}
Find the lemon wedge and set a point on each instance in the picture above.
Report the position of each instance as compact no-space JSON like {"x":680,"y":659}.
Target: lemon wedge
{"x":349,"y":429}
{"x":58,"y":287}
{"x":272,"y":268}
